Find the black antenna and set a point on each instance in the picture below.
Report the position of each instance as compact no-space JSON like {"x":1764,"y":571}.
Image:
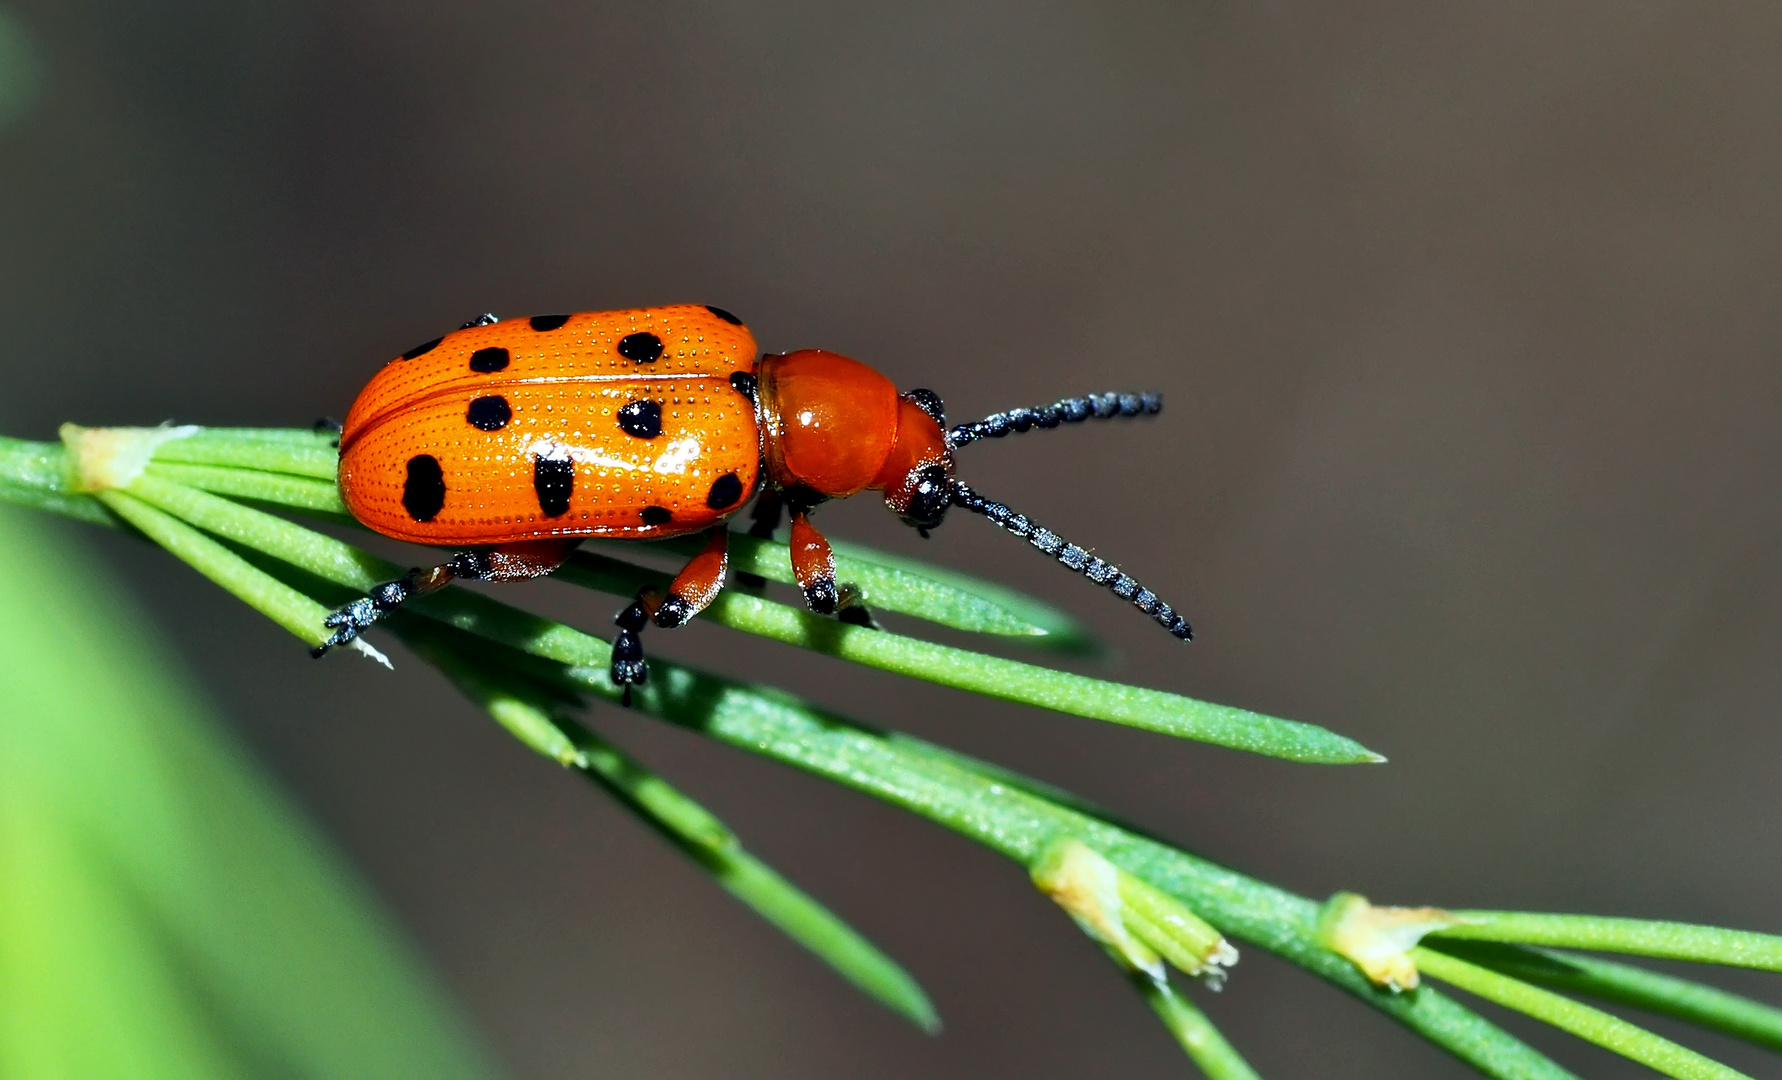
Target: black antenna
{"x":1069,"y":411}
{"x":1097,"y":570}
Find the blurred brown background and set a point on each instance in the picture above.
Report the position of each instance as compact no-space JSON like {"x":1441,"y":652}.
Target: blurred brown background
{"x":1467,"y":322}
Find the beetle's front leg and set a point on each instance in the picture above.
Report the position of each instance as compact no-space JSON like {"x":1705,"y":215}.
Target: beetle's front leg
{"x":696,"y":586}
{"x":813,"y":564}
{"x":508,"y":562}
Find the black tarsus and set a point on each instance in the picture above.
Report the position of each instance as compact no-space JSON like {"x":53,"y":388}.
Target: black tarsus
{"x":1076,"y":558}
{"x":628,"y":668}
{"x":1069,"y":411}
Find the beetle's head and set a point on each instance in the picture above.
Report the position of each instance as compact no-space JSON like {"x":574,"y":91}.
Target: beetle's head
{"x":918,"y":475}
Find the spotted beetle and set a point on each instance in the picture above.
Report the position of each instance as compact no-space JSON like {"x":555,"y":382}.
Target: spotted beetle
{"x":516,"y":439}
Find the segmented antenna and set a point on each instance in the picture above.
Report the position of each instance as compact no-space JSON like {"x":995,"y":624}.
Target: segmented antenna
{"x":1069,"y":411}
{"x":1097,"y":570}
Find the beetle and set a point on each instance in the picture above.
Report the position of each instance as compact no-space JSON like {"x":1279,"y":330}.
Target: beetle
{"x":513,"y":440}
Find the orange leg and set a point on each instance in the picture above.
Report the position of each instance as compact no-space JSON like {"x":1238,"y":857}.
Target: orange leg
{"x":813,"y":564}
{"x":696,"y":586}
{"x":508,"y":562}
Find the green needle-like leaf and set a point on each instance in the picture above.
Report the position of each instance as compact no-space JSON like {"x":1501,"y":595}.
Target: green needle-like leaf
{"x":1151,"y":709}
{"x":882,"y":588}
{"x":261,"y":591}
{"x":1079,"y":695}
{"x":191,"y":485}
{"x":1061,"y":631}
{"x":1643,"y":937}
{"x":300,"y":453}
{"x":1593,"y":1025}
{"x":1024,"y":822}
{"x":280,"y":489}
{"x":689,"y":826}
{"x":1707,"y":1006}
{"x":1205,"y":1045}
{"x":1007,"y":818}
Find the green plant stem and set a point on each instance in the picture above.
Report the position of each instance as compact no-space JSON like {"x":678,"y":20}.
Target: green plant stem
{"x":1008,"y":820}
{"x":905,"y":590}
{"x":684,"y":823}
{"x":261,"y":591}
{"x":1064,"y":632}
{"x":323,"y":556}
{"x":1652,"y":991}
{"x":1643,"y":937}
{"x":905,"y":586}
{"x":297,"y":492}
{"x":1004,"y":812}
{"x":1011,"y":680}
{"x":1205,"y":1045}
{"x":769,"y":722}
{"x":1150,"y":709}
{"x":1592,"y":1025}
{"x":300,"y":453}
{"x":35,"y":474}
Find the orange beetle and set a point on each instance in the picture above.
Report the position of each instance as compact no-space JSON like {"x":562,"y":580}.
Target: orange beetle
{"x":516,"y":439}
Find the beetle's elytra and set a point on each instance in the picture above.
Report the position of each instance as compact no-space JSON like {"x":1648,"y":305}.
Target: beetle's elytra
{"x":515,"y":439}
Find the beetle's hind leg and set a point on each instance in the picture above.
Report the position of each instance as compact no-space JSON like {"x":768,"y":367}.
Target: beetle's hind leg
{"x":696,"y":586}
{"x":508,"y":562}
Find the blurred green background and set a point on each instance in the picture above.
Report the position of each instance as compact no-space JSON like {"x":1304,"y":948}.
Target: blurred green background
{"x":1467,"y":322}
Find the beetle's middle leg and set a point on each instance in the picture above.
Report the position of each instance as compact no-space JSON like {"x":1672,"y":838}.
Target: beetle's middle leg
{"x":766,"y":515}
{"x":507,"y":562}
{"x":696,"y":586}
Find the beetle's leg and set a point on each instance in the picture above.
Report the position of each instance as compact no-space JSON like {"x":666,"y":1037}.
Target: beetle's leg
{"x":628,"y":663}
{"x":507,"y":562}
{"x":697,"y":584}
{"x":766,"y":515}
{"x":850,"y":610}
{"x":813,"y":564}
{"x":694,"y":587}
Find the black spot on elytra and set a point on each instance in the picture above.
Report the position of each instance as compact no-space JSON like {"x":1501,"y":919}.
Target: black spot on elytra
{"x":642,"y":347}
{"x":554,"y":480}
{"x":547,"y":322}
{"x":744,"y":383}
{"x":489,"y":413}
{"x":657,"y":515}
{"x":725,"y":491}
{"x":422,"y":349}
{"x":642,"y":419}
{"x":494,"y":358}
{"x":423,"y":493}
{"x":725,"y":315}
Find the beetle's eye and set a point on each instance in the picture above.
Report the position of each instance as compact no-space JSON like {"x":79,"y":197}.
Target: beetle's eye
{"x":930,"y":496}
{"x":929,"y":402}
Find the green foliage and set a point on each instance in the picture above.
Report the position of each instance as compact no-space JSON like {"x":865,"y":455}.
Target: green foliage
{"x":163,"y":912}
{"x":215,"y":500}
